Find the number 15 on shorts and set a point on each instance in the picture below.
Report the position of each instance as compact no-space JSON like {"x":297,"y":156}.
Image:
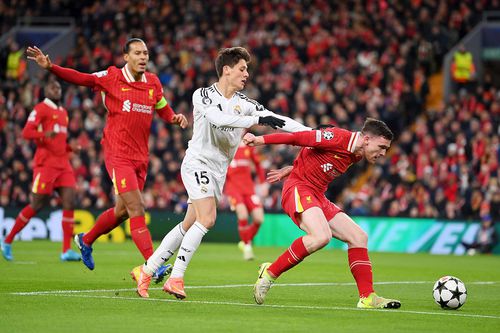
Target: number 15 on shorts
{"x":201,"y":177}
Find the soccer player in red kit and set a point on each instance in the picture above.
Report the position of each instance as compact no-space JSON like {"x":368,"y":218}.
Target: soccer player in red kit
{"x":47,"y":125}
{"x":240,"y":189}
{"x":131,"y":96}
{"x":329,"y":153}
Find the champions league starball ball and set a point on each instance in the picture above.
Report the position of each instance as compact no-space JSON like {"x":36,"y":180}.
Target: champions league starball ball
{"x":449,"y":292}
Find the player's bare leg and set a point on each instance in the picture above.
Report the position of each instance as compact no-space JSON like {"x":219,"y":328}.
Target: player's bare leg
{"x":206,"y":212}
{"x":346,"y":230}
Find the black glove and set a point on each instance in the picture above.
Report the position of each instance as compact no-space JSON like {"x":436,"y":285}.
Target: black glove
{"x":271,"y":122}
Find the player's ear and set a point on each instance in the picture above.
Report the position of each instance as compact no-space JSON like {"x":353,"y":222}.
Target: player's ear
{"x":126,"y":57}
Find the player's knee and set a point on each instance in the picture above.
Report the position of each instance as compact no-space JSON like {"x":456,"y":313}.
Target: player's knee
{"x":320,"y":241}
{"x":359,"y":239}
{"x":207,"y":222}
{"x":136,"y":209}
{"x":121,"y":214}
{"x":37,"y":205}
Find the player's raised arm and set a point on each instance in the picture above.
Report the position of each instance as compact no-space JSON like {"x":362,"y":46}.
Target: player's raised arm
{"x":67,"y":74}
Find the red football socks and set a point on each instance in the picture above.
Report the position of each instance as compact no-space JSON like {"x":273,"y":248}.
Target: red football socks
{"x":67,"y":224}
{"x":290,"y":258}
{"x":21,"y":220}
{"x":248,"y":232}
{"x":141,"y":236}
{"x":361,"y":269}
{"x":242,"y":224}
{"x":104,"y":224}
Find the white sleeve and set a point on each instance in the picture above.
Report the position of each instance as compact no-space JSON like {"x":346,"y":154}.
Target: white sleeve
{"x":213,"y":113}
{"x":290,"y":124}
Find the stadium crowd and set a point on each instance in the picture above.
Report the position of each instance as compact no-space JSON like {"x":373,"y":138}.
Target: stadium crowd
{"x":316,"y":61}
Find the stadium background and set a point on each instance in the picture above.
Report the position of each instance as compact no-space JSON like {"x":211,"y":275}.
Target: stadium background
{"x":315,"y":61}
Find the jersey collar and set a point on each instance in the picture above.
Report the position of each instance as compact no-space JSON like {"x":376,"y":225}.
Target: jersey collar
{"x":353,"y":141}
{"x":129,"y":77}
{"x":50,"y":103}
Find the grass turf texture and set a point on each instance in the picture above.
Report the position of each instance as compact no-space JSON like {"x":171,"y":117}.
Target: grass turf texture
{"x":318,"y":296}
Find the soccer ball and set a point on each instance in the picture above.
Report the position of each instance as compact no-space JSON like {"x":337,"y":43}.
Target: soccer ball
{"x":449,"y":292}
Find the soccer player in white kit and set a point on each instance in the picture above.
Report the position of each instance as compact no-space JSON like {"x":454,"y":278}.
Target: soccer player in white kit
{"x":221,"y":116}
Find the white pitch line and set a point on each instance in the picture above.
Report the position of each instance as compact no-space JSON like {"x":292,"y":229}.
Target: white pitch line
{"x":24,"y":262}
{"x":304,"y":307}
{"x":319,"y":284}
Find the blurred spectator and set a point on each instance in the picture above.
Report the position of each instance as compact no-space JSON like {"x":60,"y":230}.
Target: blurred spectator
{"x":463,"y":71}
{"x":486,"y":238}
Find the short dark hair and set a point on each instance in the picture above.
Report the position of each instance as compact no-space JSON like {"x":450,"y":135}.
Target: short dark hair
{"x":230,"y":57}
{"x":378,"y":128}
{"x":126,"y":48}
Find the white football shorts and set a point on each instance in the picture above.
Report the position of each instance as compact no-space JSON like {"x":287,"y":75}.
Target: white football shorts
{"x":201,"y":182}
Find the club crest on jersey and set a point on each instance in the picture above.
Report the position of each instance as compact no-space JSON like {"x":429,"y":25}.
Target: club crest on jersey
{"x":206,"y":100}
{"x":327,"y":135}
{"x":237,"y":109}
{"x":151,"y":93}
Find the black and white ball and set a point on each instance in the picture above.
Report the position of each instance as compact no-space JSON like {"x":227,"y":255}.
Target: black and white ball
{"x":449,"y":292}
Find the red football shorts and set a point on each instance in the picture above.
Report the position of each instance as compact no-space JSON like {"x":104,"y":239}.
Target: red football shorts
{"x":299,"y":197}
{"x":127,"y":175}
{"x":251,"y":201}
{"x":46,"y":179}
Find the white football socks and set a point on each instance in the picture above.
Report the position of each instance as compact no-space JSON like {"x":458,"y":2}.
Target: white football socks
{"x":188,"y":247}
{"x":167,"y":248}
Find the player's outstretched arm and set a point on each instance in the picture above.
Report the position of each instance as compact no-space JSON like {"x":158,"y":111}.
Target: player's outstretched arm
{"x":251,"y":140}
{"x":69,"y":75}
{"x":289,"y":125}
{"x":35,"y":54}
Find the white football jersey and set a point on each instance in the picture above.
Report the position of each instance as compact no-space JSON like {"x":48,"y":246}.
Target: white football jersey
{"x":219,"y":124}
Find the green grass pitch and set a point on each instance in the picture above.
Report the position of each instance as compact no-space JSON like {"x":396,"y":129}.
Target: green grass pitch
{"x":38,"y":293}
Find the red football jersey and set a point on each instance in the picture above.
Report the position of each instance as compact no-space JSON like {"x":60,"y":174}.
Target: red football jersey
{"x":47,"y":116}
{"x":130,"y":107}
{"x":239,"y":174}
{"x":328,"y":153}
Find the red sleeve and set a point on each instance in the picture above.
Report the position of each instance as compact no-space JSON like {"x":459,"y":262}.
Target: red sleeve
{"x":304,"y":139}
{"x":30,"y":130}
{"x":258,"y":168}
{"x":166,"y":113}
{"x":75,"y":77}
